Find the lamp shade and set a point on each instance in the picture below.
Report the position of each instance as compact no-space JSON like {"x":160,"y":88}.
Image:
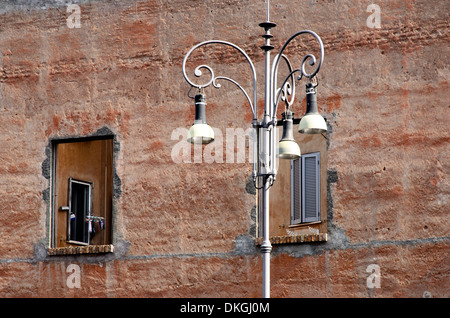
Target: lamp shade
{"x":312,"y":122}
{"x":287,"y":147}
{"x":200,"y":132}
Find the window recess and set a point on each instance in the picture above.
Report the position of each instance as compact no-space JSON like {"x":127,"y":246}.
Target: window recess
{"x":82,"y":192}
{"x":298,"y":197}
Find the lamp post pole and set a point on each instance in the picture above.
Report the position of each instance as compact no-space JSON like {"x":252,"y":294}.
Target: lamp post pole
{"x":267,"y":154}
{"x":264,"y":148}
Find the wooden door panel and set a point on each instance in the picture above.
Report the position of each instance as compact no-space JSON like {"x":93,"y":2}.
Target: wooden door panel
{"x":90,"y":161}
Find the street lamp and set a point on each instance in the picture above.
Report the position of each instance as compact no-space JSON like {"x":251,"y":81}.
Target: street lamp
{"x":265,"y":150}
{"x":200,"y":132}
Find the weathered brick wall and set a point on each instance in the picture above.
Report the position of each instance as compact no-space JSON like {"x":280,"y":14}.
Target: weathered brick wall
{"x":184,"y":229}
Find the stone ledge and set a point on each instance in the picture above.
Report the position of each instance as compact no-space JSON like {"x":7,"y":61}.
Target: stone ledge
{"x":292,"y":239}
{"x":75,"y":250}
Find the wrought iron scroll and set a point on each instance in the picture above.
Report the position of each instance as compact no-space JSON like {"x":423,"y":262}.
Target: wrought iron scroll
{"x":213,"y":79}
{"x":285,"y":88}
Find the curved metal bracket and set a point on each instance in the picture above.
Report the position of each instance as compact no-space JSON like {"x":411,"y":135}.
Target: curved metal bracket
{"x":287,"y":88}
{"x":302,"y":70}
{"x":213,"y":79}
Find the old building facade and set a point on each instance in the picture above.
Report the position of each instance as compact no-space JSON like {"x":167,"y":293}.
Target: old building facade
{"x":94,"y":111}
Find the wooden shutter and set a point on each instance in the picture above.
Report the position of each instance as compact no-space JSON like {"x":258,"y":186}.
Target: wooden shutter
{"x":296,"y":207}
{"x":310,"y":171}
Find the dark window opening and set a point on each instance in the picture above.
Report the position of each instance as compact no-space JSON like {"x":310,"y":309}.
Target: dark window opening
{"x":79,"y":211}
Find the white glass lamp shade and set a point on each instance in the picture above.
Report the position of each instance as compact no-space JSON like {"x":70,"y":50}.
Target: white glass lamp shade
{"x":288,"y":149}
{"x":200,"y":134}
{"x":312,"y":124}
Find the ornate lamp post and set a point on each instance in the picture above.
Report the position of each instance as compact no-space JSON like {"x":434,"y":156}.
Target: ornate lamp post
{"x":265,"y":150}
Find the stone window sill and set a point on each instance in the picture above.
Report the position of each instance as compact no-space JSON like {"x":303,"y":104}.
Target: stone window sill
{"x":76,"y":250}
{"x":295,"y":239}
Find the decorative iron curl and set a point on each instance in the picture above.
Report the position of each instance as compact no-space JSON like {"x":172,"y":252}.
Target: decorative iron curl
{"x":213,"y":79}
{"x":312,"y":61}
{"x":287,"y":88}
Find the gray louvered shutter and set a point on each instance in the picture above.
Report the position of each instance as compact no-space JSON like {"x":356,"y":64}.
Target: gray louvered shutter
{"x":310,"y":170}
{"x":296,"y":184}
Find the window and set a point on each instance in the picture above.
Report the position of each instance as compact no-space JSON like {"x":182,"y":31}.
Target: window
{"x":79,"y":209}
{"x":82,"y":191}
{"x":305,"y":189}
{"x":298,"y":197}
